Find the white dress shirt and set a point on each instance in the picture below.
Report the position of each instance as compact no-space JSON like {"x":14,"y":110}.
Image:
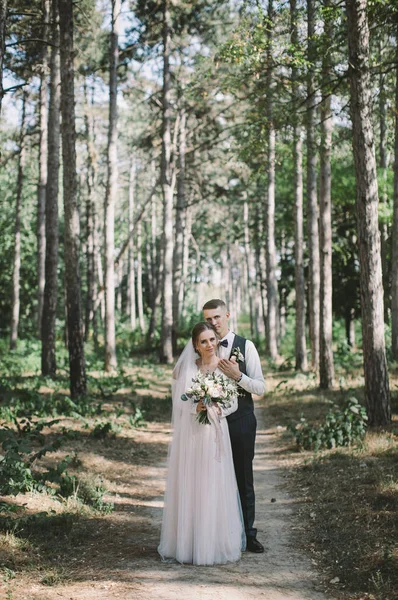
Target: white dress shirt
{"x":253,"y":382}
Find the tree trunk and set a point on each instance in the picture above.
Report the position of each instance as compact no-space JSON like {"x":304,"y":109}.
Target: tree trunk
{"x":131,"y":257}
{"x":179,"y":230}
{"x":17,"y":236}
{"x":43,"y":124}
{"x":350,"y":327}
{"x":75,"y":330}
{"x":272,"y":285}
{"x":111,"y":195}
{"x":394,"y":263}
{"x":48,"y":323}
{"x":384,"y":160}
{"x":249,"y":267}
{"x":312,"y":202}
{"x":3,"y":19}
{"x":300,"y":340}
{"x":140,"y":298}
{"x":90,"y":216}
{"x":326,"y":365}
{"x":185,"y":261}
{"x":166,"y":351}
{"x":377,"y":390}
{"x":157,"y":270}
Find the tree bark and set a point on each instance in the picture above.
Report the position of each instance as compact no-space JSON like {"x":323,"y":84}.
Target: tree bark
{"x":17,"y":235}
{"x":131,"y":254}
{"x":3,"y":19}
{"x":326,"y":365}
{"x":111,"y":195}
{"x":185,"y":261}
{"x":312,"y":201}
{"x":394,"y":264}
{"x":383,"y":163}
{"x":140,"y":298}
{"x":72,"y":275}
{"x":166,"y":350}
{"x":377,"y":390}
{"x":250,"y":280}
{"x":48,"y":322}
{"x":90,"y":217}
{"x":300,"y":339}
{"x":43,"y":141}
{"x":179,"y":230}
{"x":272,"y":284}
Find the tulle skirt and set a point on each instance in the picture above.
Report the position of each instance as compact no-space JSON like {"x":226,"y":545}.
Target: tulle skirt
{"x":202,"y":518}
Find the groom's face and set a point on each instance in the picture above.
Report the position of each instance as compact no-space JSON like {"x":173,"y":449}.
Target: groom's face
{"x":218,"y":317}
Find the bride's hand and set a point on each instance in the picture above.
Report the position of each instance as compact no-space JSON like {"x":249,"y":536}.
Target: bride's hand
{"x":200,"y":407}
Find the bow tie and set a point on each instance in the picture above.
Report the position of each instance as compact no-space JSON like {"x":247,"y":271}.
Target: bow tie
{"x":224,"y":343}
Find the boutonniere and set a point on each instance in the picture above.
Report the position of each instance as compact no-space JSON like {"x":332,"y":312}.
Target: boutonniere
{"x":238,"y":355}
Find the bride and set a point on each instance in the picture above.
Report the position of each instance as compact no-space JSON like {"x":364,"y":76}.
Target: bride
{"x":202,"y":517}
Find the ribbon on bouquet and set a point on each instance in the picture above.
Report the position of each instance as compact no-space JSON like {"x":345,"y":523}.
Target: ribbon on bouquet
{"x":214,"y":418}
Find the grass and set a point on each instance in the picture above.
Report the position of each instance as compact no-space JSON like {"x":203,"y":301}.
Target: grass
{"x":348,"y":497}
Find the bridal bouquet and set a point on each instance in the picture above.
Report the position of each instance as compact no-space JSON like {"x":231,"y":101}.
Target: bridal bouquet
{"x":209,"y":388}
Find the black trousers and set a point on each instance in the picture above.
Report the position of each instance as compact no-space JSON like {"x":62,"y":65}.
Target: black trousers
{"x":242,"y":432}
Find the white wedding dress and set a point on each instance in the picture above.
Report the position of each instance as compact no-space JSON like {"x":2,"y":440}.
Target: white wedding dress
{"x":202,"y":517}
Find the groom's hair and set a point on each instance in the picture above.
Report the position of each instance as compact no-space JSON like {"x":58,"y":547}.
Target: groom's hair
{"x":215,"y":303}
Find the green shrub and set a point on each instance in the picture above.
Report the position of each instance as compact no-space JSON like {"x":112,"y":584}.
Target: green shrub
{"x":341,"y":428}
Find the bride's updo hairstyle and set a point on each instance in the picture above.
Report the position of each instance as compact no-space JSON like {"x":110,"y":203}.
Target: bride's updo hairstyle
{"x":200,"y":328}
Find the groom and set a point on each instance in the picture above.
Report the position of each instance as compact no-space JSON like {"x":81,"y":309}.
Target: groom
{"x":242,"y":423}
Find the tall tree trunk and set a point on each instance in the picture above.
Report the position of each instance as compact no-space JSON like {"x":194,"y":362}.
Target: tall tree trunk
{"x":179,"y":230}
{"x":394,"y":263}
{"x":312,"y":201}
{"x":41,"y":204}
{"x":272,"y":285}
{"x":140,"y":297}
{"x":90,"y":215}
{"x":300,"y":340}
{"x":166,"y":351}
{"x":260,"y":264}
{"x":111,"y":194}
{"x":48,"y":330}
{"x":3,"y":19}
{"x":185,"y":261}
{"x":17,"y":235}
{"x":77,"y":364}
{"x":249,"y":266}
{"x":377,"y":391}
{"x":157,"y":269}
{"x":131,"y":255}
{"x":350,"y":327}
{"x":326,"y":365}
{"x":383,"y":163}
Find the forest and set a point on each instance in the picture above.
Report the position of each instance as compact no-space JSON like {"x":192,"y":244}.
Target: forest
{"x":156,"y":154}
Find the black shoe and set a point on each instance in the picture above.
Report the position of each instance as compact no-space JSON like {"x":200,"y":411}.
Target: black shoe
{"x":253,"y":545}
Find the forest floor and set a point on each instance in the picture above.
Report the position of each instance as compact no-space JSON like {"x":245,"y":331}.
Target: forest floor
{"x":70,"y":552}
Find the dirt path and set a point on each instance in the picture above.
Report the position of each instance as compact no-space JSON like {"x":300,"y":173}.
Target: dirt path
{"x":117,"y":559}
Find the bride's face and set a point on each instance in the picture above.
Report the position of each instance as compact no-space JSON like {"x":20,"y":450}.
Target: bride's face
{"x":207,"y":344}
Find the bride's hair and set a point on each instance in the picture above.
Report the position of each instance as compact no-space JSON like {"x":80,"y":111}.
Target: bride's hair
{"x":200,"y":328}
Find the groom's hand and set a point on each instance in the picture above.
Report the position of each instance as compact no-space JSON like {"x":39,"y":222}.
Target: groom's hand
{"x":230,"y":368}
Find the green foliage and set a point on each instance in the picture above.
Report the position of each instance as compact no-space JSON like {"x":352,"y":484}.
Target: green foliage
{"x":104,"y":430}
{"x":341,"y":428}
{"x":20,"y":451}
{"x":137,"y":419}
{"x":92,"y":492}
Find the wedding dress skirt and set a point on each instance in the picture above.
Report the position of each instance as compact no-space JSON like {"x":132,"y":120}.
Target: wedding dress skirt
{"x":202,"y":518}
{"x":202,"y":521}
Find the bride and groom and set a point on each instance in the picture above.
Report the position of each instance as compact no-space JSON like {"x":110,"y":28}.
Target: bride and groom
{"x":209,"y":510}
